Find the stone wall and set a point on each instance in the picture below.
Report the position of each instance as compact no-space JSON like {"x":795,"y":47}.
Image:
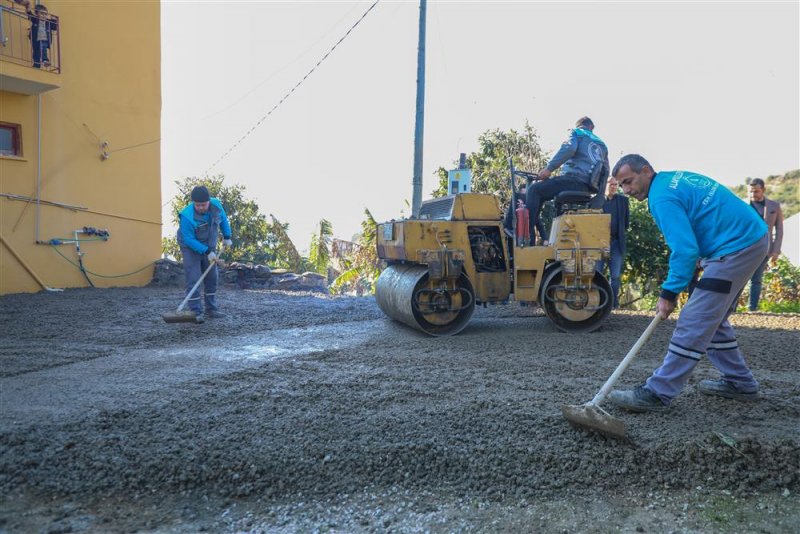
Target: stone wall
{"x":169,"y":273}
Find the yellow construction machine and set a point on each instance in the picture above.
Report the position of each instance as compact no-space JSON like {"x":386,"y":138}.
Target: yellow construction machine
{"x":456,"y":255}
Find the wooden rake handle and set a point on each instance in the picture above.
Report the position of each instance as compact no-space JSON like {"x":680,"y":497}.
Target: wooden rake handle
{"x":601,"y":395}
{"x":211,"y":265}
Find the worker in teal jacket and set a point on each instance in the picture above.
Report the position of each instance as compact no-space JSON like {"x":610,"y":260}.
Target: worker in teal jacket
{"x":198,"y":233}
{"x":701,"y":220}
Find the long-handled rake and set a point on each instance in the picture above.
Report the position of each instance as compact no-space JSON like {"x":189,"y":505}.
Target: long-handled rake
{"x":187,"y":316}
{"x":590,"y":415}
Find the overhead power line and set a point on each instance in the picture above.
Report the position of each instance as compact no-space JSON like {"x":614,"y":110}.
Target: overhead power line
{"x":287,"y":95}
{"x":284,"y":67}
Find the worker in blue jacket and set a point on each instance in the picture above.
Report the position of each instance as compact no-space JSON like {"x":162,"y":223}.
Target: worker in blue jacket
{"x":198,"y":233}
{"x":701,"y":220}
{"x":583,"y":159}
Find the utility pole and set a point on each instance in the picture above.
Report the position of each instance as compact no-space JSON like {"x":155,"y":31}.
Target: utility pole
{"x":419,"y":123}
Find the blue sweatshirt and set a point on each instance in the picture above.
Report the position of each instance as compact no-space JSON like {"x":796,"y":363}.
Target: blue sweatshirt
{"x":199,"y":232}
{"x":699,"y":219}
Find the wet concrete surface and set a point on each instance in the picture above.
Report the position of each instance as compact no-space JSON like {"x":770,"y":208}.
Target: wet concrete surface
{"x":301,"y":412}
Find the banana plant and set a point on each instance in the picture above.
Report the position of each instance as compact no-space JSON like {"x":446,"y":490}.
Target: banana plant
{"x":364,"y":265}
{"x":285,"y":245}
{"x":320,"y":251}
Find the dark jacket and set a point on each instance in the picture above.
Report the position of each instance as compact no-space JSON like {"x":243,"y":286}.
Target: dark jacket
{"x":584,"y":156}
{"x":619,"y":209}
{"x":50,"y":26}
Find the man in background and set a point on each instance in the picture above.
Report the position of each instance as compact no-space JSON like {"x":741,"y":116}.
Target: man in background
{"x":770,"y":211}
{"x":618,"y":207}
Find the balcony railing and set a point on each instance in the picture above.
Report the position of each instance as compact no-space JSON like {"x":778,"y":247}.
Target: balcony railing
{"x":29,"y":38}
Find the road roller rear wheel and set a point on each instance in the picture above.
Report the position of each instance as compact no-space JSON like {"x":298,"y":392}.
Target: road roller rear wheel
{"x":405,"y":293}
{"x":574,"y":309}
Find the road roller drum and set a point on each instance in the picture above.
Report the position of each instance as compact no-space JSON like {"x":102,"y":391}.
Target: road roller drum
{"x":406,"y":293}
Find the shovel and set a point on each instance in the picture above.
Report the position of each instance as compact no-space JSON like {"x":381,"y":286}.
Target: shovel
{"x":187,"y":316}
{"x":590,"y":415}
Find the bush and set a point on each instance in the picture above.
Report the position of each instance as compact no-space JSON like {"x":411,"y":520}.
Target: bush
{"x":780,"y":292}
{"x":646,"y":260}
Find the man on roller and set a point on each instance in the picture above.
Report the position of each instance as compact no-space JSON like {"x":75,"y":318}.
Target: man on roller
{"x":583,"y":159}
{"x":700,"y":219}
{"x":198,"y":232}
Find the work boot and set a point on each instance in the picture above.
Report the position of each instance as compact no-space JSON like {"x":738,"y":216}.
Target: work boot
{"x":215,"y":314}
{"x":638,"y":399}
{"x":199,"y":317}
{"x":723,"y":388}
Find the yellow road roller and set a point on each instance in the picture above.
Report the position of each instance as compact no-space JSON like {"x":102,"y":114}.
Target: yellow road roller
{"x":456,"y":255}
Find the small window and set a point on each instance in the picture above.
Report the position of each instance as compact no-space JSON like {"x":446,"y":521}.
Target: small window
{"x":10,"y":139}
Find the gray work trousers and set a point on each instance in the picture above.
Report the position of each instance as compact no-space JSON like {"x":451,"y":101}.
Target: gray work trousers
{"x":703,"y":326}
{"x":194,"y":265}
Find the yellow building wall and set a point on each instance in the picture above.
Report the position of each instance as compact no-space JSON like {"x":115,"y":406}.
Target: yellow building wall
{"x":109,"y":91}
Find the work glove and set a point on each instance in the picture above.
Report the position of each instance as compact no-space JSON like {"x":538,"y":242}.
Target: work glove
{"x":228,"y":243}
{"x":212,"y":256}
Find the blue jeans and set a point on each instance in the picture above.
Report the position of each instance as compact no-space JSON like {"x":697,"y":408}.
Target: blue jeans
{"x":755,"y":285}
{"x":615,"y":265}
{"x":39,"y":54}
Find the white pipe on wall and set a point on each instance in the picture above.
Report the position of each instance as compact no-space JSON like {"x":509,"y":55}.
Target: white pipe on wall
{"x":38,"y":161}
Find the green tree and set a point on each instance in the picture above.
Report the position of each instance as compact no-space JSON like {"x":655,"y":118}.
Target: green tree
{"x":647,"y":255}
{"x":250,"y":231}
{"x":320,"y":250}
{"x":489,"y":164}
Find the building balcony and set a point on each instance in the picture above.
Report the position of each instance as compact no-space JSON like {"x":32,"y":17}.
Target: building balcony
{"x":30,"y":49}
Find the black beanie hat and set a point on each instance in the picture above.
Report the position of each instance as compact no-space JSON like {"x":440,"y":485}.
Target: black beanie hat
{"x":200,"y":194}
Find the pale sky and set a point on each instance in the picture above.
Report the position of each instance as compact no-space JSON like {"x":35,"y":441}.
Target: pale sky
{"x":710,"y":87}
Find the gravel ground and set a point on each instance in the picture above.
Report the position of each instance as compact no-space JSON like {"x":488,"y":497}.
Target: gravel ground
{"x":300,"y":412}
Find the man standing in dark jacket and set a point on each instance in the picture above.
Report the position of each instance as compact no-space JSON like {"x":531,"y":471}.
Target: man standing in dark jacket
{"x":617,"y":206}
{"x":583,"y":159}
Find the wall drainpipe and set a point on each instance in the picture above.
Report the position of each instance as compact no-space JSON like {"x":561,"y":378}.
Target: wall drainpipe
{"x":38,"y":196}
{"x":38,"y":161}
